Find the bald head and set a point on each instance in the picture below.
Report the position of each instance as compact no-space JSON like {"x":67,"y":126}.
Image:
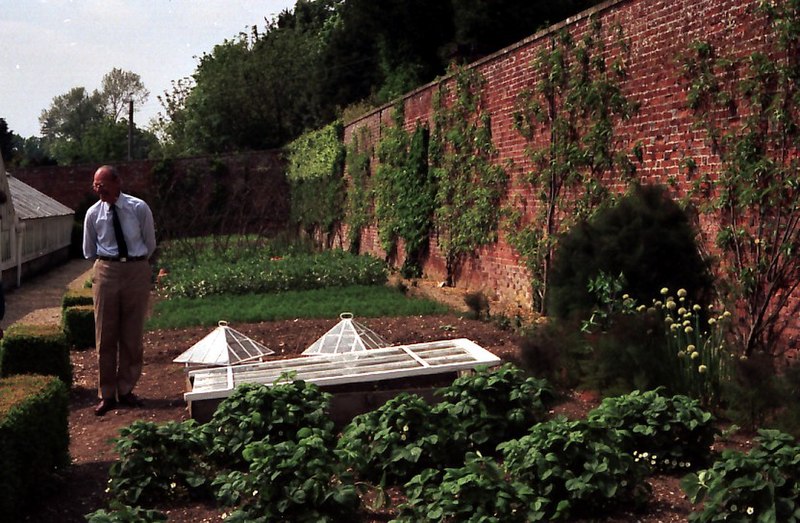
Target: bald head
{"x":107,"y":183}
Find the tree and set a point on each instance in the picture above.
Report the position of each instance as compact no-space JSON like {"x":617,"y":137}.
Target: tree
{"x":118,"y":88}
{"x":7,"y":145}
{"x":750,"y":109}
{"x":70,"y":115}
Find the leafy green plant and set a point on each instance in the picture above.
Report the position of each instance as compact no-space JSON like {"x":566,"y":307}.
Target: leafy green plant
{"x":477,"y":492}
{"x":578,"y":470}
{"x":469,"y":185}
{"x":316,"y":164}
{"x":749,"y":108}
{"x":494,"y":405}
{"x":298,"y":479}
{"x":159,"y":462}
{"x":572,"y":110}
{"x":664,"y":433}
{"x":399,"y":439}
{"x":404,"y":191}
{"x":121,"y":513}
{"x":357,"y":207}
{"x":261,"y":272}
{"x":258,"y":412}
{"x":762,"y":485}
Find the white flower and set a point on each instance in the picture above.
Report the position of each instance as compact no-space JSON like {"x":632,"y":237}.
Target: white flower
{"x":664,"y":291}
{"x":682,"y":293}
{"x":750,"y":511}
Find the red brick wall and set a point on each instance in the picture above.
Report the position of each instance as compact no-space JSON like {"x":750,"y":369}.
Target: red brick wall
{"x":658,"y":32}
{"x":259,"y":175}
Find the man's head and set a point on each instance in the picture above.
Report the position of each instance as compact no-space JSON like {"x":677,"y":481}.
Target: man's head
{"x":107,"y":183}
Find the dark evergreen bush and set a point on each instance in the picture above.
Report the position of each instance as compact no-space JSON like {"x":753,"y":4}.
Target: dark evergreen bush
{"x":646,"y":237}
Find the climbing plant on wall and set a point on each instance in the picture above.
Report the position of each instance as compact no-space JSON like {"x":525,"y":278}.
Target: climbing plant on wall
{"x":568,"y":118}
{"x":357,"y":209}
{"x":470,"y":185}
{"x":315,"y":168}
{"x":405,"y":191}
{"x":750,"y":110}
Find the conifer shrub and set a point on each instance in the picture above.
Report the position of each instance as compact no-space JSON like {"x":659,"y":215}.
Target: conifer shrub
{"x":645,"y":237}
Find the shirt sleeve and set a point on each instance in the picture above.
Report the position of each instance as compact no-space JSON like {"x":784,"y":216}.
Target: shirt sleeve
{"x":148,"y":229}
{"x":89,"y":236}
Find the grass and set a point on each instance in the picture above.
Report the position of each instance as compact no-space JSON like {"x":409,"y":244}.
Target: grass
{"x":362,"y":301}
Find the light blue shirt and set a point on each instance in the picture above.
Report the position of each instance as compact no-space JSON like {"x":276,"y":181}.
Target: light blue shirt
{"x":137,"y":226}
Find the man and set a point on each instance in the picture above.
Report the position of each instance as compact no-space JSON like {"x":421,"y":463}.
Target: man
{"x":121,"y":285}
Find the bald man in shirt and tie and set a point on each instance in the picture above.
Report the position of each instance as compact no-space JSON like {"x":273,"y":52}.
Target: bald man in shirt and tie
{"x":119,"y":234}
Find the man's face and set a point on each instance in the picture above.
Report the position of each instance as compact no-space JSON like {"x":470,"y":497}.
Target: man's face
{"x":105,"y":186}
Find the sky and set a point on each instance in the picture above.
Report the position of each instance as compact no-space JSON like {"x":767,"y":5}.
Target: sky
{"x":48,"y":47}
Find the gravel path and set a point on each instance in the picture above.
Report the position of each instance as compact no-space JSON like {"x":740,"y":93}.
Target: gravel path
{"x":38,"y":300}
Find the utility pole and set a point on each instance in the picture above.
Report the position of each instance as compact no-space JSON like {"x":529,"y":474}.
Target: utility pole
{"x":130,"y":129}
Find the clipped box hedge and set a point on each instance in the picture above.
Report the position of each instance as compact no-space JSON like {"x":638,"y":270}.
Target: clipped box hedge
{"x":35,"y":349}
{"x":79,"y":326}
{"x":75,"y":297}
{"x":34,"y":439}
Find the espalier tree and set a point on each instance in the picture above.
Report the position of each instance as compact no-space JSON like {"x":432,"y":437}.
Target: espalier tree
{"x":470,"y":185}
{"x":750,"y":110}
{"x":568,"y":117}
{"x":405,"y":191}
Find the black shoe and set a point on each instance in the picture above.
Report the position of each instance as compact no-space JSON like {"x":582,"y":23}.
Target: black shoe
{"x":131,"y":400}
{"x":104,"y":406}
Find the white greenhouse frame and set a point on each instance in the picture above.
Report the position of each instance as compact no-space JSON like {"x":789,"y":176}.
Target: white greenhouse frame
{"x":400,"y":361}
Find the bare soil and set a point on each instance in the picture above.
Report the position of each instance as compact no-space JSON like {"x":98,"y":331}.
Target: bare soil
{"x":81,"y":487}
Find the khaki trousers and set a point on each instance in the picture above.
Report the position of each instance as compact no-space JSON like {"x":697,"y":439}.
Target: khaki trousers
{"x":121,"y":293}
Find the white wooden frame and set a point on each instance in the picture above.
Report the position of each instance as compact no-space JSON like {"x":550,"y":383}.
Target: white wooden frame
{"x":386,"y":363}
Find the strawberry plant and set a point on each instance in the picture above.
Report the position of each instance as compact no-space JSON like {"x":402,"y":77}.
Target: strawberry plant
{"x":477,"y":492}
{"x":577,"y":469}
{"x":120,"y":513}
{"x":294,"y":480}
{"x":159,"y":461}
{"x":762,"y":485}
{"x":492,"y":406}
{"x":257,"y":412}
{"x":401,"y":438}
{"x":665,"y":433}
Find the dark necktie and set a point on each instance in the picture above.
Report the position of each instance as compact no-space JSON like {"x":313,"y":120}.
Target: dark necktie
{"x":123,"y":247}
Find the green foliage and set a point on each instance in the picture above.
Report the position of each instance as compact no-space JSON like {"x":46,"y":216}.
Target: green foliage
{"x":575,"y":104}
{"x":762,"y":485}
{"x":399,"y":439}
{"x":259,"y":272}
{"x":574,"y":469}
{"x":404,"y":190}
{"x":672,"y":343}
{"x":478,"y":492}
{"x":79,"y":326}
{"x":121,"y":513}
{"x":298,"y":479}
{"x":34,"y":439}
{"x":372,"y":301}
{"x":406,"y":435}
{"x":159,"y":462}
{"x":357,"y":165}
{"x":749,"y":108}
{"x":35,"y":349}
{"x":316,"y":162}
{"x":645,"y":237}
{"x":469,"y":184}
{"x":665,"y":433}
{"x":260,"y":413}
{"x":494,"y":405}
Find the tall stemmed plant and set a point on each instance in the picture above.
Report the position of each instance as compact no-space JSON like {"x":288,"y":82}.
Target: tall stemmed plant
{"x":568,"y":117}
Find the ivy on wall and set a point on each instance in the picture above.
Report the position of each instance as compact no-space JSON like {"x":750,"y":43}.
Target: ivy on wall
{"x":470,"y":185}
{"x":315,"y":174}
{"x":404,"y":192}
{"x":357,"y":211}
{"x":750,"y":110}
{"x":568,"y":120}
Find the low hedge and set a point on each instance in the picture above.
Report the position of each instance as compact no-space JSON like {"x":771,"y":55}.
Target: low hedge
{"x":34,"y":438}
{"x":75,"y":297}
{"x":79,"y":326}
{"x":35,"y":349}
